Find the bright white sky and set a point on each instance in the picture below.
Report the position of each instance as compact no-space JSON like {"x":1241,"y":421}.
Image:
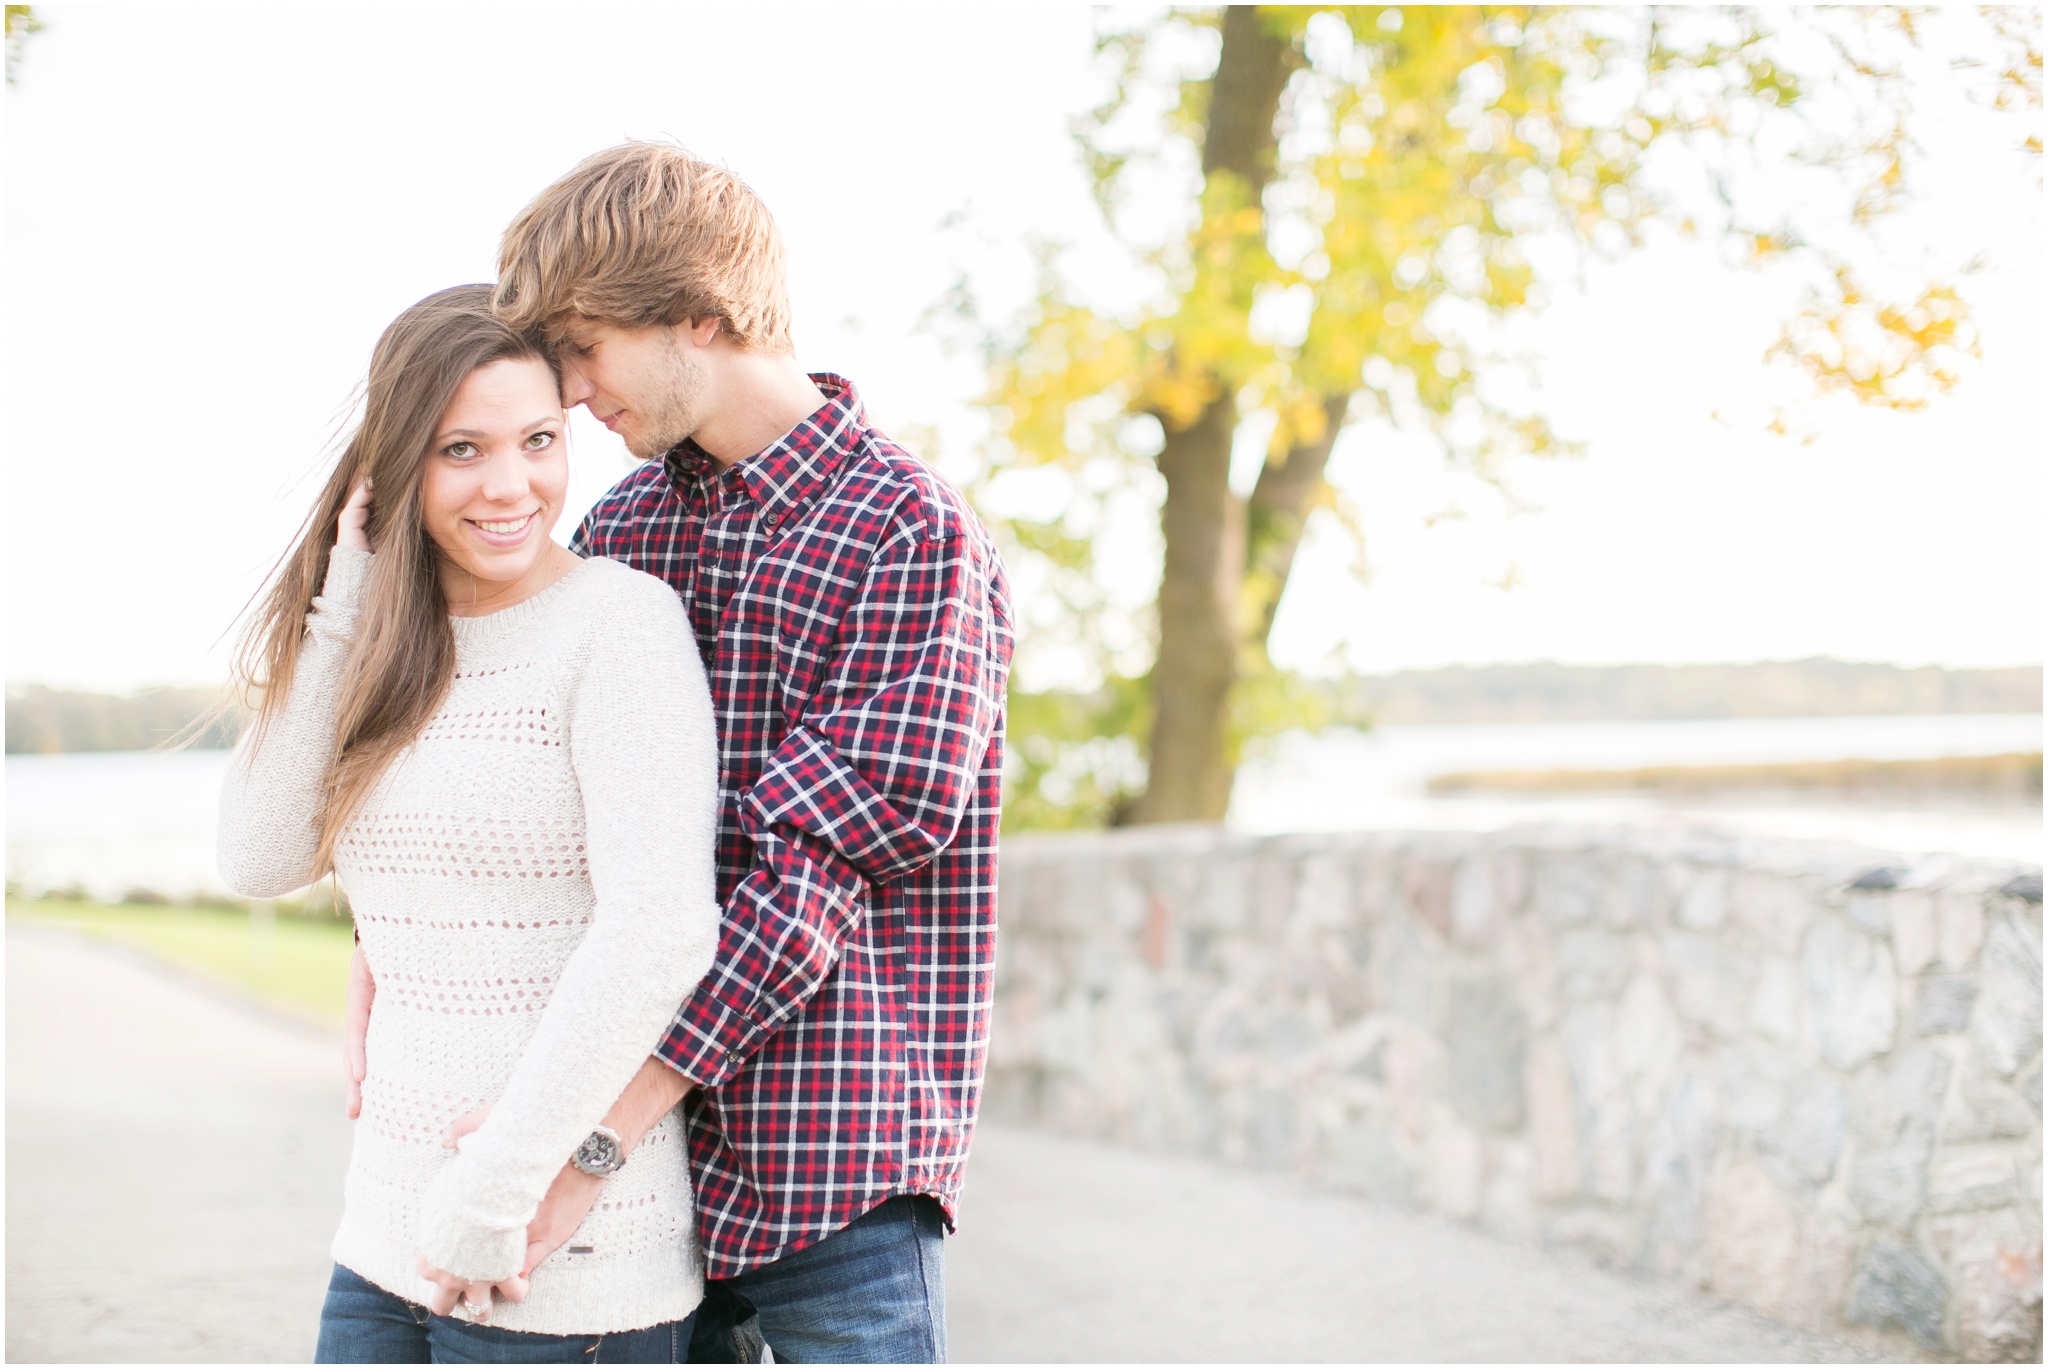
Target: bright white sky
{"x":212,"y":212}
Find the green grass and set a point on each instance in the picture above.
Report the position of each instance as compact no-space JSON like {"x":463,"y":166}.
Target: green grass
{"x":297,"y":965}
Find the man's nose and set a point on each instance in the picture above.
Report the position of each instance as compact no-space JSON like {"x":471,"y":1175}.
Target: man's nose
{"x":575,"y":389}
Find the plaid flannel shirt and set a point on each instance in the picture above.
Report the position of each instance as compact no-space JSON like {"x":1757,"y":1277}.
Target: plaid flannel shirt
{"x":855,"y":626}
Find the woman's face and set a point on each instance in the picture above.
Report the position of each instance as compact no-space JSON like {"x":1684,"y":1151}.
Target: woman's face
{"x":495,"y":478}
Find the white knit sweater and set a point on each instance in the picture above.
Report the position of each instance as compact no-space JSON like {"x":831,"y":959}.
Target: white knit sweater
{"x":533,"y":884}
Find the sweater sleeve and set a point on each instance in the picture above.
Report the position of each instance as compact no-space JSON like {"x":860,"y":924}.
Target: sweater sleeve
{"x":644,"y":749}
{"x":270,"y":805}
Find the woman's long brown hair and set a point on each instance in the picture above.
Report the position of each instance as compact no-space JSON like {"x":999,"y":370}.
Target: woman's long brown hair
{"x":403,"y":658}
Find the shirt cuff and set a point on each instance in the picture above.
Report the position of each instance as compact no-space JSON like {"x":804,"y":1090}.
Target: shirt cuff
{"x":709,"y":1055}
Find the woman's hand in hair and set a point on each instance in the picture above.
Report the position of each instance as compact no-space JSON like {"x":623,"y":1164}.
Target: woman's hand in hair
{"x":352,"y":529}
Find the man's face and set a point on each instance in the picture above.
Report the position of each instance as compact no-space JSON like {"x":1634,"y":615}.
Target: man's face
{"x":648,"y":385}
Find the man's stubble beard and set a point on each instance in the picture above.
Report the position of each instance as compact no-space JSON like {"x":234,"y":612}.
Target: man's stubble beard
{"x":677,"y":409}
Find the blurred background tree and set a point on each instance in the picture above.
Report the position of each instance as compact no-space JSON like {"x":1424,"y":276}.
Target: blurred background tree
{"x":1336,"y":214}
{"x":21,"y":22}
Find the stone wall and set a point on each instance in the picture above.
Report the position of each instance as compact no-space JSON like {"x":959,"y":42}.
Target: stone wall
{"x":1805,"y":1078}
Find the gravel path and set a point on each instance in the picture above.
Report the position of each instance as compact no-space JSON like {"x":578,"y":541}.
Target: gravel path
{"x":174,"y":1167}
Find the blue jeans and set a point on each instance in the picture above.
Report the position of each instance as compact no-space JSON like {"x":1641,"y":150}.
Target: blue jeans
{"x":871,"y":1293}
{"x":363,"y":1324}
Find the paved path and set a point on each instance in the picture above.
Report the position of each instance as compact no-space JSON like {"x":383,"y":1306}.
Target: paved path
{"x":174,"y":1172}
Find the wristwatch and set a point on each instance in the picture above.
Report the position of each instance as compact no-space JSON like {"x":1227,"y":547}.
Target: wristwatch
{"x":601,"y":1155}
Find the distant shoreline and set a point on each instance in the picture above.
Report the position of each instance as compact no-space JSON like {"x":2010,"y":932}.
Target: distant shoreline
{"x":44,"y":721}
{"x":2011,"y":777}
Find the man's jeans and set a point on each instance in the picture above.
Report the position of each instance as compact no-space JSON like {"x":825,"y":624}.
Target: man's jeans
{"x":871,"y":1293}
{"x":363,"y":1324}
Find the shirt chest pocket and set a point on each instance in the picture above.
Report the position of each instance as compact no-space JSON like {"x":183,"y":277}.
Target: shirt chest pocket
{"x":796,"y":613}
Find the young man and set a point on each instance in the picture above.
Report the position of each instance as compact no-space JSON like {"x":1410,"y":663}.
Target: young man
{"x":854,"y":622}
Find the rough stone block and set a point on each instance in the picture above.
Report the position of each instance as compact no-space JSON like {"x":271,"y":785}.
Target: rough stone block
{"x":1456,"y":1169}
{"x":1565,"y":889}
{"x":1896,"y":1287}
{"x":1486,"y":1036}
{"x":1959,"y":929}
{"x":1592,"y":966}
{"x":1407,"y":977}
{"x":1972,"y":1180}
{"x":1703,"y":905}
{"x":1648,"y":1041}
{"x":1752,"y":1240}
{"x":1998,"y":1297}
{"x":1912,"y":931}
{"x":1676,"y":1171}
{"x":1507,"y":1205}
{"x":1709,"y":981}
{"x":1945,"y":1002}
{"x":1895,"y":1107}
{"x":1600,"y":1091}
{"x":1553,"y":1121}
{"x":1803,"y":1142}
{"x":1820,"y":1278}
{"x":1868,"y":910}
{"x":1986,"y":1109}
{"x":1474,"y":899}
{"x":1850,"y":993}
{"x":1775,"y":1003}
{"x":1634,"y":893}
{"x":2007,"y":1022}
{"x":1426,"y":888}
{"x":1323,"y":895}
{"x":1774,"y":909}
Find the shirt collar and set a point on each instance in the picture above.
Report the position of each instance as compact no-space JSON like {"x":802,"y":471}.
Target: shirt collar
{"x":794,"y":468}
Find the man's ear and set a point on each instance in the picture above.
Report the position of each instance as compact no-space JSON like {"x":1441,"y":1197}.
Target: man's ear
{"x":699,"y":331}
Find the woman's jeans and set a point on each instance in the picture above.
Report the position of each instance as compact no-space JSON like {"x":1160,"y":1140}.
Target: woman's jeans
{"x":363,"y":1324}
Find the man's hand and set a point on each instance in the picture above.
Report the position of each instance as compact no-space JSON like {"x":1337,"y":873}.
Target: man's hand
{"x":570,"y":1198}
{"x":355,"y":1031}
{"x":648,"y":1097}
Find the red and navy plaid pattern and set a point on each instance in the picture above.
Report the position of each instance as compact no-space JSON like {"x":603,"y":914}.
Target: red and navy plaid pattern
{"x":855,"y":625}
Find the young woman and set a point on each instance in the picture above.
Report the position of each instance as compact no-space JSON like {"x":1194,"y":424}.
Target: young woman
{"x":506,"y":756}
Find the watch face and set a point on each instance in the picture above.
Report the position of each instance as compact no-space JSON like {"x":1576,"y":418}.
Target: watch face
{"x":599,"y":1154}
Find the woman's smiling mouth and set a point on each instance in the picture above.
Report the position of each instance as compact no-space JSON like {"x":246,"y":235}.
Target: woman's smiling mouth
{"x":503,"y":531}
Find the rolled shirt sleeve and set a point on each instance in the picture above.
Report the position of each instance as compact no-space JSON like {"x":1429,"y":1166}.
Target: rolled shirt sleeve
{"x":868,"y":786}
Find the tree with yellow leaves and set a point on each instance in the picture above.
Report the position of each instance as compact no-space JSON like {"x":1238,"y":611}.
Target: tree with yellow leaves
{"x":1357,"y":194}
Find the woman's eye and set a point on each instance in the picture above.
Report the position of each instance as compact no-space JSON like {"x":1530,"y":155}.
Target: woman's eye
{"x":461,"y":451}
{"x":540,"y":442}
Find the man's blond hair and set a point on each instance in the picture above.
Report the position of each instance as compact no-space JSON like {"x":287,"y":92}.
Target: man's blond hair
{"x":644,"y":235}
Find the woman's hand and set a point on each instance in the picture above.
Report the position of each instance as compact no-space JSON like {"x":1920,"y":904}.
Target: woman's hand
{"x":475,"y":1298}
{"x":352,"y":529}
{"x":568,"y":1201}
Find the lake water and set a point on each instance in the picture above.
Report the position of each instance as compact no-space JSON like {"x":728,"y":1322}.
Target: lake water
{"x":1341,"y":781}
{"x":114,"y":822}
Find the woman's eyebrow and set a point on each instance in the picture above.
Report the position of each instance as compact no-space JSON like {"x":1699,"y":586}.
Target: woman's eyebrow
{"x":552,"y":420}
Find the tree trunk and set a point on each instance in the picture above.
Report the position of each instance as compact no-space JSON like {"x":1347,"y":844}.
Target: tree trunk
{"x":1189,"y":779}
{"x":1204,"y":523}
{"x":1279,"y":512}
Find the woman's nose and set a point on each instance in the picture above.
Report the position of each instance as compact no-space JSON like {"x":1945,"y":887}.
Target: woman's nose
{"x":505,"y":478}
